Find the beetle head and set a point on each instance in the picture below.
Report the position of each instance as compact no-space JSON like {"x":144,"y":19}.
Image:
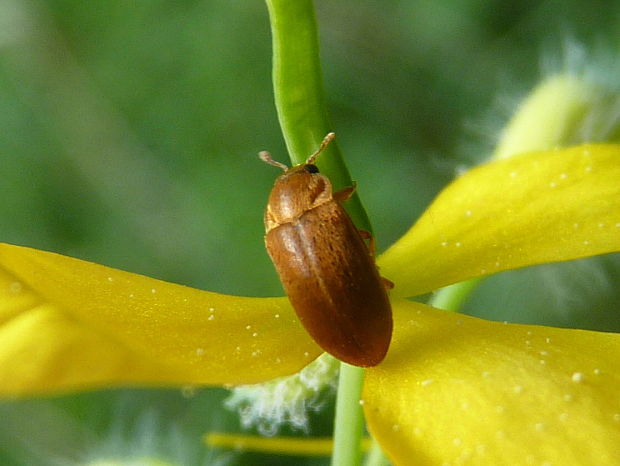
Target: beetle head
{"x":299,"y":189}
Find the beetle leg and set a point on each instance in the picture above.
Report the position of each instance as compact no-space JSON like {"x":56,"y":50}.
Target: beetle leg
{"x":346,"y":193}
{"x":371,"y":241}
{"x":388,"y":284}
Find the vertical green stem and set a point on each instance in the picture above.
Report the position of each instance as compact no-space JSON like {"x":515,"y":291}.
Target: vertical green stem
{"x":297,"y":76}
{"x":349,"y":423}
{"x":299,"y":95}
{"x":452,"y":298}
{"x":300,"y":102}
{"x":375,"y":456}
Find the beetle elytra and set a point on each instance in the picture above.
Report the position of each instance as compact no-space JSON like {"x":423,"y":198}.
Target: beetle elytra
{"x":326,"y":268}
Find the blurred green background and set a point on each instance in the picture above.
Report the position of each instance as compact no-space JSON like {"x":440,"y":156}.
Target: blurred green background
{"x":129,"y":133}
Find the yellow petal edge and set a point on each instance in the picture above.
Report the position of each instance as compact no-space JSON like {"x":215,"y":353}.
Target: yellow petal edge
{"x":530,"y":209}
{"x":459,"y":390}
{"x":68,"y":325}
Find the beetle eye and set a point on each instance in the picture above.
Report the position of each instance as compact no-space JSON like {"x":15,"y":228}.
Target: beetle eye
{"x":311,"y":168}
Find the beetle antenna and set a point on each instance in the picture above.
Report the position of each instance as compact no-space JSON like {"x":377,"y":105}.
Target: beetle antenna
{"x":326,"y":140}
{"x":266,"y":157}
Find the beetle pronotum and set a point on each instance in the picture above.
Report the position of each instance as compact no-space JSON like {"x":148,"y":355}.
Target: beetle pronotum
{"x":326,"y":268}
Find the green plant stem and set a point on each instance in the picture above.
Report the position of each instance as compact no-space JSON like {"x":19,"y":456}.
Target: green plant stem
{"x":375,"y":456}
{"x":299,"y":95}
{"x":349,"y":423}
{"x":300,"y":102}
{"x":452,"y":298}
{"x":297,"y":76}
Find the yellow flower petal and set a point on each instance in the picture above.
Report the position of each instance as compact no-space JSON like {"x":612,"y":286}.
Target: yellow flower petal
{"x":530,"y":209}
{"x":67,"y":324}
{"x":455,"y":389}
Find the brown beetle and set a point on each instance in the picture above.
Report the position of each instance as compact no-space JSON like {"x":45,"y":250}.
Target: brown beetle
{"x":326,"y":268}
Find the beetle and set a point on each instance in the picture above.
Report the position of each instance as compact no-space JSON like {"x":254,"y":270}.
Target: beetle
{"x":327,"y":270}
